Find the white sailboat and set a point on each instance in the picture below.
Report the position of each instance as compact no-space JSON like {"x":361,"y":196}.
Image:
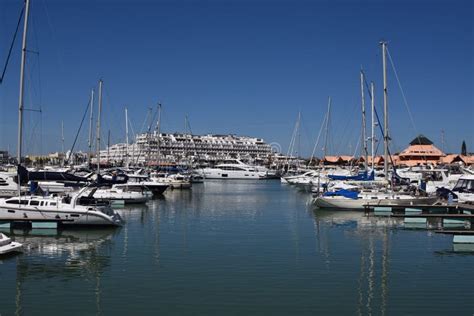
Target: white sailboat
{"x":65,"y":211}
{"x":48,"y":209}
{"x":354,"y":200}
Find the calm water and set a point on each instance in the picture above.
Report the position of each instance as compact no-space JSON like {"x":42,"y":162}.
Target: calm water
{"x":238,"y":248}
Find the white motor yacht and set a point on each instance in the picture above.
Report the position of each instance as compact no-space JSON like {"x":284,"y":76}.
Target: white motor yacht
{"x":123,"y":192}
{"x":8,"y":187}
{"x":237,"y":170}
{"x":141,"y":182}
{"x":8,"y":246}
{"x":464,"y":189}
{"x":433,"y":178}
{"x":175,"y":181}
{"x":65,"y":210}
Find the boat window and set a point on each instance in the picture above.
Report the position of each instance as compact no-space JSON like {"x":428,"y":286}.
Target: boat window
{"x":52,"y":203}
{"x":41,"y":203}
{"x":34,"y":202}
{"x":22,"y":202}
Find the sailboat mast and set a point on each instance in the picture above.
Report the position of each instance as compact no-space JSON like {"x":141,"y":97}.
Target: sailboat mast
{"x":327,"y":128}
{"x":108,"y":147}
{"x":91,"y":116}
{"x":22,"y":88}
{"x":62,"y":142}
{"x":372,"y":115}
{"x":158,"y":127}
{"x":364,"y":134}
{"x":22,"y":83}
{"x":98,"y":127}
{"x":126,"y":138}
{"x":385,"y":111}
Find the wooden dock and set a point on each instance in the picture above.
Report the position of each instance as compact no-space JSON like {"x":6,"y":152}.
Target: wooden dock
{"x":436,"y":208}
{"x":447,"y":216}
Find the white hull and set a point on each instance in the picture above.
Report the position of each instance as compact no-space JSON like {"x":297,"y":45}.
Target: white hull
{"x":338,"y":202}
{"x":124,"y":193}
{"x":180,"y":185}
{"x":54,"y":209}
{"x":215,"y":173}
{"x":8,"y":246}
{"x":64,"y":216}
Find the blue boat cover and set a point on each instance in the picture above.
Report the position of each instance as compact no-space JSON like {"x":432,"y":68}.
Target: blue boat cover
{"x":362,"y":176}
{"x":345,"y":193}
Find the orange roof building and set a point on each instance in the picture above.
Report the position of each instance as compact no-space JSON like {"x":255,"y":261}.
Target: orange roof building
{"x":421,"y":151}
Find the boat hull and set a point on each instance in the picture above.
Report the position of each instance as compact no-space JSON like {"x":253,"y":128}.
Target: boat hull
{"x":359,"y":204}
{"x":61,"y":216}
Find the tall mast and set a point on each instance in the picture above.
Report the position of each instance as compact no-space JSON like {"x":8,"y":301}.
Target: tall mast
{"x":364,"y":136}
{"x":91,"y":117}
{"x":22,"y":88}
{"x":385,"y":111}
{"x":62,"y":141}
{"x":108,"y":147}
{"x":127,"y":162}
{"x":327,"y":128}
{"x":298,"y":139}
{"x":98,"y":127}
{"x":372,"y":115}
{"x":158,"y":127}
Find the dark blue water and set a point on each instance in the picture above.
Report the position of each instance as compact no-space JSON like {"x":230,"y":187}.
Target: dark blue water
{"x":238,"y":248}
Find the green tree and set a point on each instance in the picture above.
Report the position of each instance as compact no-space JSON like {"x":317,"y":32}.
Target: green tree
{"x":463,"y":148}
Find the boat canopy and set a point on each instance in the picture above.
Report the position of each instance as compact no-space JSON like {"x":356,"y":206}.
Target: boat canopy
{"x":362,"y":176}
{"x":345,"y":193}
{"x":26,"y":176}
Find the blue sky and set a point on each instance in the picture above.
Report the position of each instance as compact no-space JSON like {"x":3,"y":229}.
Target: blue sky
{"x":242,"y":67}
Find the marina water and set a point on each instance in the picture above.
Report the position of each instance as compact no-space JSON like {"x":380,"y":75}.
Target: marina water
{"x":237,"y":248}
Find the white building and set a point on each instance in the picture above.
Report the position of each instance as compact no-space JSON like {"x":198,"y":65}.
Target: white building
{"x":177,"y":147}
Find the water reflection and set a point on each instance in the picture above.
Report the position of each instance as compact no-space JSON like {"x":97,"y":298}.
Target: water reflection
{"x":66,"y":255}
{"x":241,"y":248}
{"x":373,"y":236}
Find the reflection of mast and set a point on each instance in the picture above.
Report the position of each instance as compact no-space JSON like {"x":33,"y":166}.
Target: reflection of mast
{"x":370,"y":276}
{"x":125,"y":241}
{"x":18,"y":290}
{"x":361,"y":278}
{"x":157,"y":238}
{"x":384,"y":279}
{"x":322,"y":247}
{"x":97,"y":292}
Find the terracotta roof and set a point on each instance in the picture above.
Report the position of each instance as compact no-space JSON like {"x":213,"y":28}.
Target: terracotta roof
{"x":421,"y":151}
{"x":332,"y":159}
{"x":346,"y":158}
